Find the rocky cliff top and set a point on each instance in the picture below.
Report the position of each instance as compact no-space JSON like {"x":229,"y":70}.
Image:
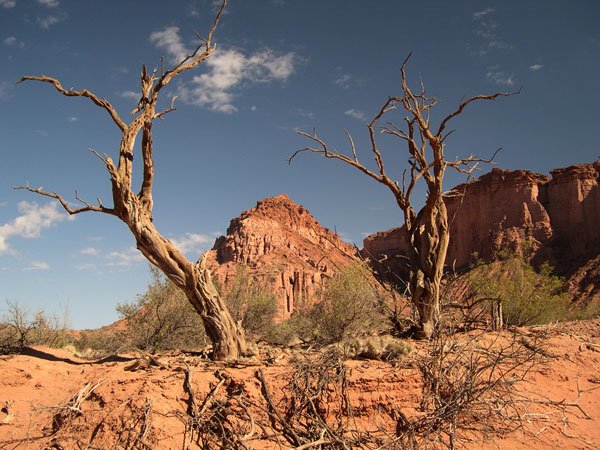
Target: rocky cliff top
{"x":284,"y":247}
{"x":553,"y":219}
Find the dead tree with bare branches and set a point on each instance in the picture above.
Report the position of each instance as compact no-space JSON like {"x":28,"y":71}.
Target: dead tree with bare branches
{"x":135,"y":209}
{"x":427,"y":230}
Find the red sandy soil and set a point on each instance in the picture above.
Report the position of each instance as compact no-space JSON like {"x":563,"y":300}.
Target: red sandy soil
{"x":38,"y":385}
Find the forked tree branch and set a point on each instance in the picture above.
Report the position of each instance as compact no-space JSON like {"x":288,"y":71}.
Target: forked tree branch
{"x":464,"y":103}
{"x":194,"y":58}
{"x":103,"y":103}
{"x":87,"y":206}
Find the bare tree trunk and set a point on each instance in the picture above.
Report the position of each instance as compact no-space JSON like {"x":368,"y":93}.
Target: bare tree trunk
{"x":225,"y":333}
{"x":427,"y":231}
{"x":429,"y":237}
{"x":135,"y":210}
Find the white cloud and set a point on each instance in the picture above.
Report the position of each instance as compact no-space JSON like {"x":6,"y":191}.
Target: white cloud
{"x":344,"y":81}
{"x":87,"y":266}
{"x":90,"y":251}
{"x":231,"y":69}
{"x":130,"y":94}
{"x":49,"y":3}
{"x":51,"y":19}
{"x":29,"y":225}
{"x":357,"y":114}
{"x":499,"y":77}
{"x":488,"y":31}
{"x":481,"y":14}
{"x":169,"y":40}
{"x":12,"y":41}
{"x":72,"y":119}
{"x":536,"y":67}
{"x":38,"y":265}
{"x":8,"y":3}
{"x":253,"y":108}
{"x":227,"y":70}
{"x":125,"y":258}
{"x":193,"y":242}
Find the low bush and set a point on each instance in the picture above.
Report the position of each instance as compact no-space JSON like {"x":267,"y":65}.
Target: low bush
{"x":19,"y":328}
{"x":251,"y":303}
{"x":528,"y":297}
{"x":350,"y":306}
{"x":161,"y":319}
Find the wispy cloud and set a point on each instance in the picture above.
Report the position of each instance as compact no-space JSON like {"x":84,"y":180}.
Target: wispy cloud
{"x":193,"y":242}
{"x":229,"y":70}
{"x":86,"y":266}
{"x":357,"y":114}
{"x":72,"y":119}
{"x":7,"y":4}
{"x":125,"y":258}
{"x":51,"y":19}
{"x":29,"y":225}
{"x":37,"y":265}
{"x":495,"y":75}
{"x":169,"y":41}
{"x":488,"y":30}
{"x":89,"y":251}
{"x":536,"y":67}
{"x":345,"y":80}
{"x":130,"y":94}
{"x":49,"y":3}
{"x":478,"y":15}
{"x":12,"y":41}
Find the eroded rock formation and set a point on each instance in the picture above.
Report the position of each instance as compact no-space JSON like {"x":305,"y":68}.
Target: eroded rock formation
{"x":553,"y":219}
{"x":284,"y":247}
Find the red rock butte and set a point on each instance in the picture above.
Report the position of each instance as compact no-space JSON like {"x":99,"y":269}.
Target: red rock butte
{"x":553,"y":219}
{"x":283,"y":247}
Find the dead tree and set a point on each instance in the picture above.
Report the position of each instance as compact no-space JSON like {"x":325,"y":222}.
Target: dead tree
{"x":135,"y":210}
{"x":427,"y":230}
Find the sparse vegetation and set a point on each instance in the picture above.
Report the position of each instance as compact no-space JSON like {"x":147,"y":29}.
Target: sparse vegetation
{"x":251,"y":303}
{"x":19,"y":328}
{"x":349,"y":307}
{"x":161,"y":319}
{"x":527,"y":296}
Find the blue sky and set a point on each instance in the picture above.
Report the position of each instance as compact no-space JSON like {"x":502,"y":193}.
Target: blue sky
{"x":281,"y":66}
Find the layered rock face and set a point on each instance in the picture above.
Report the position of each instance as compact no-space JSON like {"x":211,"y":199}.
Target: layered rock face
{"x":555,"y":219}
{"x":284,"y":248}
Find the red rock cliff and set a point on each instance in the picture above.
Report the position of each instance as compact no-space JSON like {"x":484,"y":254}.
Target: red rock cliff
{"x":284,"y":247}
{"x":555,"y":219}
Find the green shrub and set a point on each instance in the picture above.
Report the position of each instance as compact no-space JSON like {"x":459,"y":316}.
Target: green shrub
{"x":19,"y":329}
{"x":350,"y":306}
{"x":161,"y":319}
{"x":252,"y":303}
{"x":101,"y":342}
{"x":528,"y":297}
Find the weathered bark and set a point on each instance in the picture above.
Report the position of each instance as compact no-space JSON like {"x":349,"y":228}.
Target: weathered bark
{"x":427,"y":231}
{"x":135,"y":211}
{"x":431,"y":239}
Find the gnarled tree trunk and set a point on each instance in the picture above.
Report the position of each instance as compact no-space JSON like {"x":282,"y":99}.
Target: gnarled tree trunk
{"x":429,"y":237}
{"x":428,"y":232}
{"x":135,"y":210}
